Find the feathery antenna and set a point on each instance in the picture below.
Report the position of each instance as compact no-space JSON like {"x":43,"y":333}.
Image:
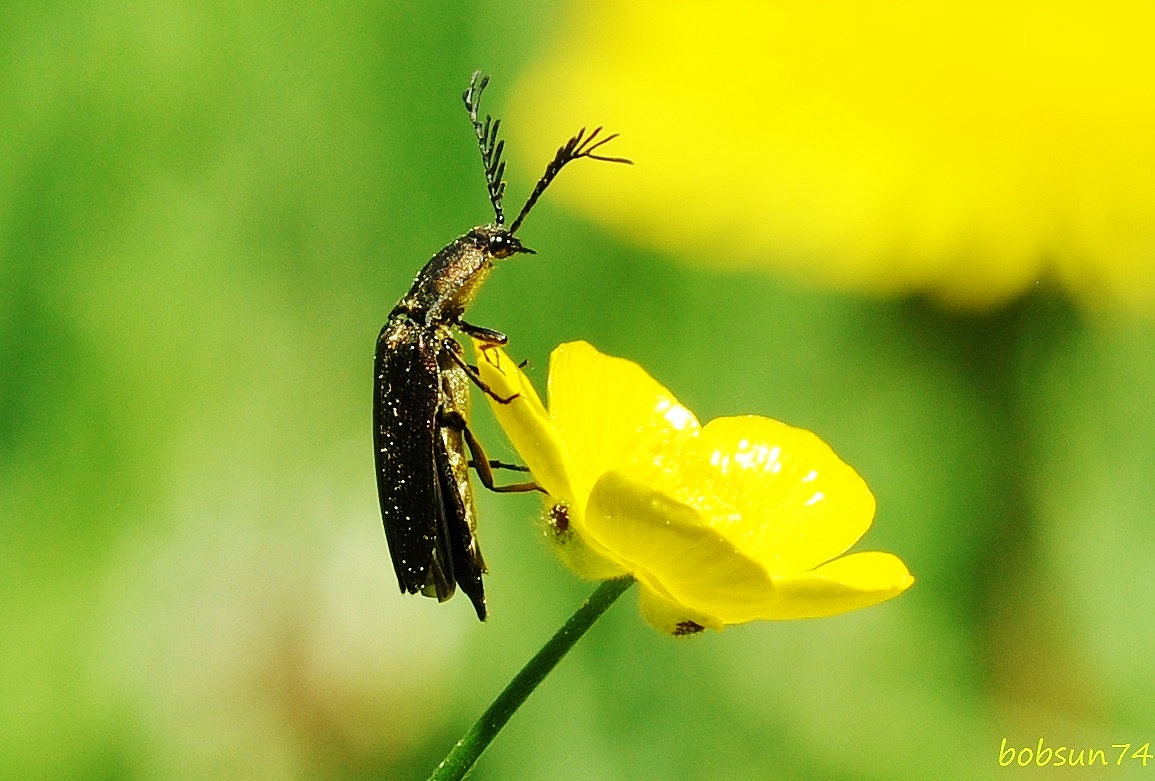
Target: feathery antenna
{"x":491,"y":148}
{"x":579,"y":146}
{"x":487,"y":141}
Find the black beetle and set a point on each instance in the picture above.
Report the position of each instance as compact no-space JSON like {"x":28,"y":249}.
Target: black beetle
{"x":421,"y":388}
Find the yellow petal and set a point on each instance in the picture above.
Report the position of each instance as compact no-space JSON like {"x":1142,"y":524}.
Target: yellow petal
{"x":669,"y":549}
{"x":701,"y":575}
{"x":577,"y":550}
{"x":778,"y":493}
{"x":534,"y":436}
{"x":961,"y":148}
{"x":607,"y":409}
{"x":526,"y":422}
{"x":849,"y":583}
{"x":669,"y":617}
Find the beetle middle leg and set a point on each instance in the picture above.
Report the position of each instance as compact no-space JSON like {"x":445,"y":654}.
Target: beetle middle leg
{"x":482,"y":465}
{"x":502,"y":465}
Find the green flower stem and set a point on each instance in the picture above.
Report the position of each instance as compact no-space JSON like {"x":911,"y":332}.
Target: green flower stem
{"x":469,"y":748}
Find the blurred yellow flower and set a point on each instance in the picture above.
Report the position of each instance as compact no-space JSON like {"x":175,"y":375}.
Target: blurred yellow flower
{"x":966,"y":150}
{"x":744,"y":518}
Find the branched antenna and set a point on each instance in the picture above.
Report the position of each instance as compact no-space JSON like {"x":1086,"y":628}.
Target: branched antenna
{"x":580,"y":145}
{"x":487,"y":142}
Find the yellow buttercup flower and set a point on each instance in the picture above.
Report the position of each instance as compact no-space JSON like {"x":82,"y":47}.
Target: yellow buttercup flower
{"x":741,"y":519}
{"x":966,"y":150}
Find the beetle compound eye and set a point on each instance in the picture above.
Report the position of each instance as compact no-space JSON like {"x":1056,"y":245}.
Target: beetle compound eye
{"x":500,"y":245}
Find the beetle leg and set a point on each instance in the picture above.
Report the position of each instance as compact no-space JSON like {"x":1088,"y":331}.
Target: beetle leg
{"x":454,"y":349}
{"x":502,"y":465}
{"x":487,"y":335}
{"x":481,"y":464}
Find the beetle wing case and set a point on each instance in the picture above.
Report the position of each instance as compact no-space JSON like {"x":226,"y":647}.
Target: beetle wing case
{"x":405,"y":442}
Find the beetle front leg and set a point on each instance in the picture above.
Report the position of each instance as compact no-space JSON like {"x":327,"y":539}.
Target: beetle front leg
{"x":481,"y":334}
{"x":451,"y":346}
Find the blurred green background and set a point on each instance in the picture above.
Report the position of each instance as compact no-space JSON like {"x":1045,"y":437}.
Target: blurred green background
{"x":207,"y":212}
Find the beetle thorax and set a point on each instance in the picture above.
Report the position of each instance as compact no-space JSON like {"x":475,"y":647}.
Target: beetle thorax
{"x":445,"y":288}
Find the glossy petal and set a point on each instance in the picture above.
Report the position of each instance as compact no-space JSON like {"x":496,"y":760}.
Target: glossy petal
{"x":671,"y":551}
{"x":847,"y":583}
{"x":777,"y":492}
{"x":608,"y":410}
{"x":684,"y":562}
